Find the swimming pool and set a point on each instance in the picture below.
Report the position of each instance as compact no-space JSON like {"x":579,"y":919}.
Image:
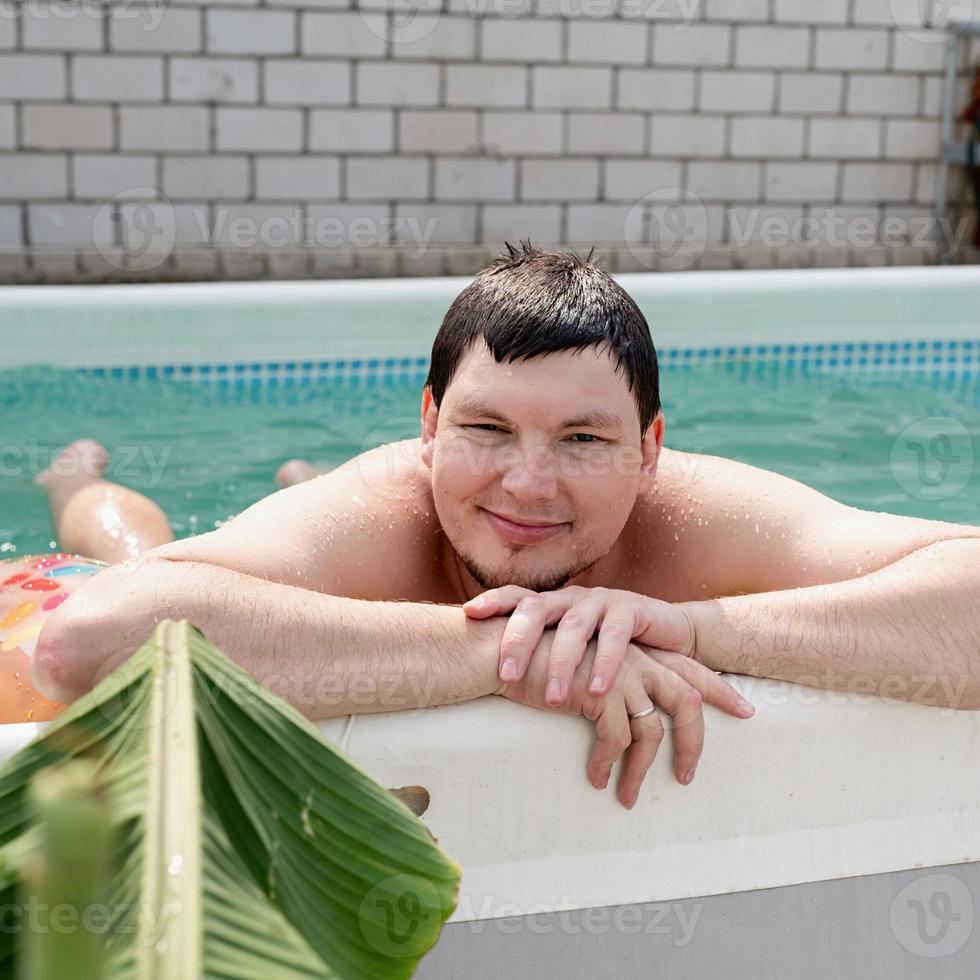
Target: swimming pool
{"x":862,"y":383}
{"x":776,"y":384}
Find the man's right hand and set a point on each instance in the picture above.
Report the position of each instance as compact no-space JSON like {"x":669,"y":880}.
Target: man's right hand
{"x":671,"y":682}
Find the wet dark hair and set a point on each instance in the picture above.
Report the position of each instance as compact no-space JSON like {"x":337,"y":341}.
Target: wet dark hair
{"x":529,"y":302}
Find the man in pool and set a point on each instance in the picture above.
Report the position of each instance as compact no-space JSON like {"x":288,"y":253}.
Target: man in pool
{"x":602,"y":574}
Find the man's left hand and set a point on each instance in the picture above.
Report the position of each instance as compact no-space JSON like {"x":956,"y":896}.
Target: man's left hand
{"x":617,"y":616}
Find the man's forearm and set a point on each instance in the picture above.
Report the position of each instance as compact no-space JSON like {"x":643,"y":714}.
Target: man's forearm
{"x":326,"y":655}
{"x":909,"y":631}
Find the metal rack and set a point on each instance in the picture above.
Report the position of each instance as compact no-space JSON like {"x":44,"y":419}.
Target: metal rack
{"x":951,"y":151}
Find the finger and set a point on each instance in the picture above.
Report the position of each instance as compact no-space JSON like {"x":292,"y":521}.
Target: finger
{"x":648,"y":733}
{"x":575,"y":628}
{"x":613,"y":739}
{"x":615,"y":634}
{"x":527,"y":623}
{"x":493,"y":602}
{"x":669,"y":691}
{"x":713,"y":689}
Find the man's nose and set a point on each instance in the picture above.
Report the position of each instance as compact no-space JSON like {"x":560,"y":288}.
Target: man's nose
{"x":532,"y":474}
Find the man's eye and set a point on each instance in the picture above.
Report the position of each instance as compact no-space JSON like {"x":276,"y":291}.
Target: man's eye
{"x":586,"y":435}
{"x":484,"y":427}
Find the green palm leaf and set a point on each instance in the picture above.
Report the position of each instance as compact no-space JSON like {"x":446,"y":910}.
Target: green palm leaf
{"x":244,"y":844}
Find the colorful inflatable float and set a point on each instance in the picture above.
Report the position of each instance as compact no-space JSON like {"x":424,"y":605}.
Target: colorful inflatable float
{"x":31,"y":588}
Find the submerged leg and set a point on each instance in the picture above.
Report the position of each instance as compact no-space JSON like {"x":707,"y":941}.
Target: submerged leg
{"x":94,"y":517}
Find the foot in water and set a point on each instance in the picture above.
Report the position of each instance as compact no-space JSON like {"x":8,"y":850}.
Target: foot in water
{"x":296,"y":471}
{"x":82,"y":462}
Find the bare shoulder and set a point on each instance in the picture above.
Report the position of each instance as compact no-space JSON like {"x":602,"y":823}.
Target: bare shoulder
{"x":366,"y":529}
{"x":688,"y":525}
{"x":724,"y":527}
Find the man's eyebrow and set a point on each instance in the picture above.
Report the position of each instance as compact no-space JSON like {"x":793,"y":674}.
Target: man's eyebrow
{"x":597,"y":419}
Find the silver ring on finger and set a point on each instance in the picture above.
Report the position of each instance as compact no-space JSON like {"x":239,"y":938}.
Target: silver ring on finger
{"x":643,"y":713}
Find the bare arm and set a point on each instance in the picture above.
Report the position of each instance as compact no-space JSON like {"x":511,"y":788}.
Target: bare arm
{"x":906,"y":631}
{"x":841,"y":598}
{"x":327,"y":655}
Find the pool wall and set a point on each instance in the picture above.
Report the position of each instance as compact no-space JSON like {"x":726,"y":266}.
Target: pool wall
{"x":234,"y":332}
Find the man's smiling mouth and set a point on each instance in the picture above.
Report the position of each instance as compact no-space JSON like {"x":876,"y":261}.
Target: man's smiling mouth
{"x":519,"y":532}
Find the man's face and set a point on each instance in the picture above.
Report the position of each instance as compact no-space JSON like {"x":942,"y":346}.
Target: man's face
{"x":536,"y":464}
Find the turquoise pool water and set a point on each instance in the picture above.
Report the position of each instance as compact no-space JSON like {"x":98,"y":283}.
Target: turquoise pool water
{"x":903,"y":442}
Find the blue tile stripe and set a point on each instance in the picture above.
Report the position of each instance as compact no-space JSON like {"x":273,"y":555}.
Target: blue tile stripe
{"x":908,"y":355}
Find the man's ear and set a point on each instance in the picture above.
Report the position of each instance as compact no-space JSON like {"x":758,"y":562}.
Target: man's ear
{"x":650,"y":446}
{"x":430,"y":416}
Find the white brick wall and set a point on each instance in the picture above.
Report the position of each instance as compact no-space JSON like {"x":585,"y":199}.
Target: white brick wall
{"x":852,"y":48}
{"x":697,"y":44}
{"x":603,"y":133}
{"x":208,"y":177}
{"x":438,"y":131}
{"x":811,"y":92}
{"x":520,"y":40}
{"x":737,"y":91}
{"x":544,"y":119}
{"x":307,"y":178}
{"x":66,"y":127}
{"x":845,"y":139}
{"x":572,"y":88}
{"x":891,"y":94}
{"x":210,"y":79}
{"x":102,"y":78}
{"x":352,"y":130}
{"x":154,"y":28}
{"x":474,"y":179}
{"x":163,"y":128}
{"x":654,"y":89}
{"x":688,"y":136}
{"x":767,"y":136}
{"x":771,"y":47}
{"x":259,"y":129}
{"x":381,"y":83}
{"x":253,"y":32}
{"x":309,"y":82}
{"x":520,"y":133}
